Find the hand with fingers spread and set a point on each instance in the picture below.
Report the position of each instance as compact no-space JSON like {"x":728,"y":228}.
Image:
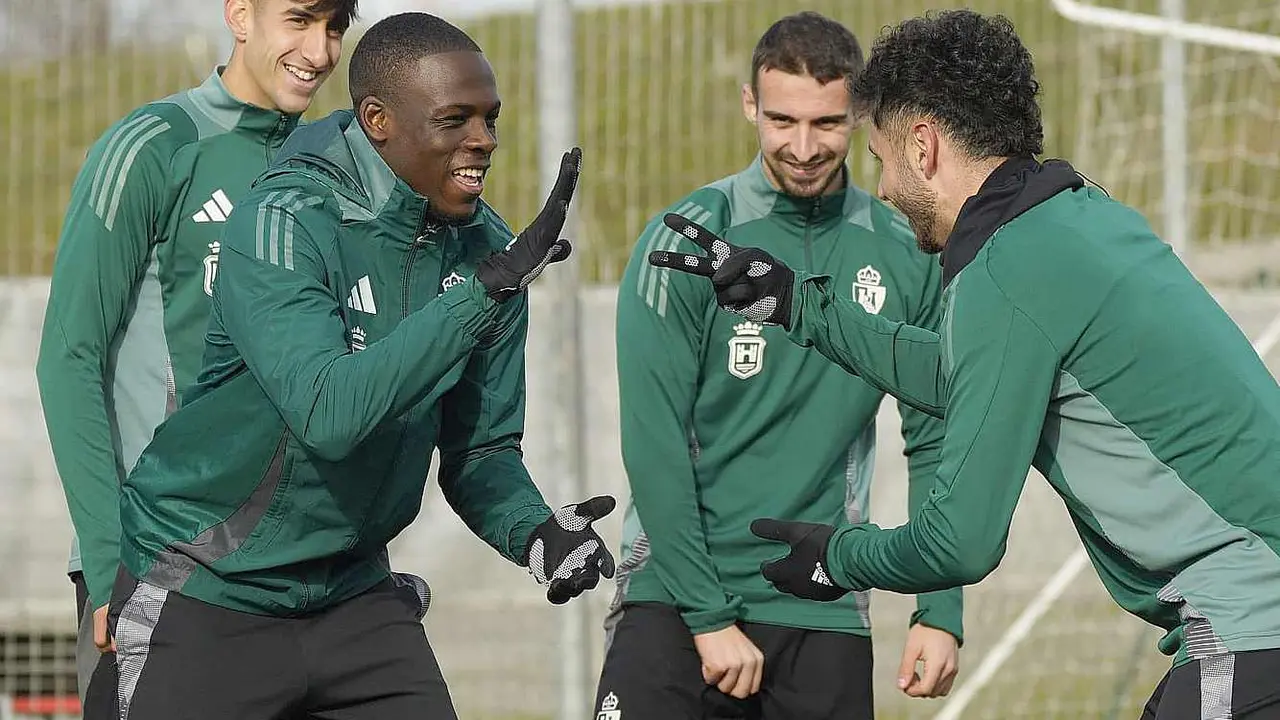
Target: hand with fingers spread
{"x":939,"y":652}
{"x":506,"y":274}
{"x":730,"y":661}
{"x":567,"y":554}
{"x":804,"y":572}
{"x":748,"y":281}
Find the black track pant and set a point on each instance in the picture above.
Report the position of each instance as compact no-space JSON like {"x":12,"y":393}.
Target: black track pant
{"x":652,"y":670}
{"x":367,"y":658}
{"x":1232,"y":686}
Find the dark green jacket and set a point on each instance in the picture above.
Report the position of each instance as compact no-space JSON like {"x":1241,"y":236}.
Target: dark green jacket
{"x":129,"y":299}
{"x":1074,"y":341}
{"x":724,"y":421}
{"x":346,"y":343}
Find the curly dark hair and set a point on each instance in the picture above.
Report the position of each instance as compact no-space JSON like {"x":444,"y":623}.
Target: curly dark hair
{"x":967,"y":71}
{"x":807,"y":43}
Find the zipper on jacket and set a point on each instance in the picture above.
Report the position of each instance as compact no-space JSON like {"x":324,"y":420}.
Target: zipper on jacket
{"x":419,"y":240}
{"x":808,"y":223}
{"x":271,"y":136}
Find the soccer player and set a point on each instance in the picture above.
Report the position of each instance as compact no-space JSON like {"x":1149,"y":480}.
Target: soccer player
{"x":724,"y":420}
{"x":129,"y":300}
{"x":369,"y":308}
{"x":1074,"y":341}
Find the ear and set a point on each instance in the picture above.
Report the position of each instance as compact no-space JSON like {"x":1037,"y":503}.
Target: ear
{"x":238,"y":14}
{"x":375,"y":119}
{"x":749,"y":109}
{"x":923,"y":148}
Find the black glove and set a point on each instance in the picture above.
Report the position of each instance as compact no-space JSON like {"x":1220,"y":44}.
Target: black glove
{"x":804,"y":571}
{"x":748,"y":281}
{"x":566,"y":552}
{"x":506,"y":274}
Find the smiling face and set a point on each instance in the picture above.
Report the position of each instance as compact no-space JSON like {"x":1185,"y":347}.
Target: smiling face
{"x":804,"y":128}
{"x":440,"y":130}
{"x":285,"y":49}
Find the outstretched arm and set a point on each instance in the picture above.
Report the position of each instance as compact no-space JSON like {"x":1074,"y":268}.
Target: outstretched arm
{"x":896,"y":358}
{"x":1004,"y":372}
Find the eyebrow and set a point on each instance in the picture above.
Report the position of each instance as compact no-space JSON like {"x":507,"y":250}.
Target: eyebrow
{"x":464,"y":108}
{"x":302,"y":11}
{"x":775,"y":115}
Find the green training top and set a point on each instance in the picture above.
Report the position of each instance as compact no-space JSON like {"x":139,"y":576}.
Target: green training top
{"x":723,"y":420}
{"x":347,"y":342}
{"x":129,"y":300}
{"x":1075,"y":341}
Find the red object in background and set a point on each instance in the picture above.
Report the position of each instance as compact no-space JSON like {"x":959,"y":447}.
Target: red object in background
{"x":46,"y":705}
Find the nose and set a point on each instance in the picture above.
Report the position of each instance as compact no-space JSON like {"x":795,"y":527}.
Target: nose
{"x":482,"y":138}
{"x":880,"y":188}
{"x":315,"y":45}
{"x":805,"y":144}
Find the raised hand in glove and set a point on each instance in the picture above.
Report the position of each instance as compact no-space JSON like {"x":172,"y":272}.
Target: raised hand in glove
{"x":748,"y":281}
{"x":804,"y":571}
{"x":567,"y":554}
{"x":506,"y":274}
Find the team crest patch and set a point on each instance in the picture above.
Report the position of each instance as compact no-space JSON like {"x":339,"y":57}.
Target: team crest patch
{"x":746,"y":350}
{"x":211,"y":267}
{"x":867,"y":290}
{"x":449,"y":282}
{"x":357,"y":339}
{"x":609,"y":708}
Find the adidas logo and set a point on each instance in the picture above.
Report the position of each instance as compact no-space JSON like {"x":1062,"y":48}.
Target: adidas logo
{"x":820,"y":575}
{"x":361,"y":297}
{"x":215,"y":209}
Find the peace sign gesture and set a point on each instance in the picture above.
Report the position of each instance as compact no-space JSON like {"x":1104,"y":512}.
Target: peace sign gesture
{"x":748,"y":281}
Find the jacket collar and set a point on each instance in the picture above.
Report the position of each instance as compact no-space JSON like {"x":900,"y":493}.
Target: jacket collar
{"x":1015,"y":186}
{"x":791,"y":209}
{"x":213,"y":99}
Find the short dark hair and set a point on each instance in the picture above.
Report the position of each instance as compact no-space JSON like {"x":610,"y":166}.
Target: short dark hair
{"x":968,"y":72}
{"x":395,"y":43}
{"x":341,"y":12}
{"x":807,"y":43}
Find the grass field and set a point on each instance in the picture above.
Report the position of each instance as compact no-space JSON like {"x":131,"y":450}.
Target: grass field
{"x":658,"y":114}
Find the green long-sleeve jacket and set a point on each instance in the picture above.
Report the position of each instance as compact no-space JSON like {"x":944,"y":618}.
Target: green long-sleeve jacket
{"x":347,"y":342}
{"x":723,"y":421}
{"x":1074,"y":341}
{"x":129,"y":298}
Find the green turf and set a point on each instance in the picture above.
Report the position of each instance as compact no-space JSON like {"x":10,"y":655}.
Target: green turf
{"x":658,"y":115}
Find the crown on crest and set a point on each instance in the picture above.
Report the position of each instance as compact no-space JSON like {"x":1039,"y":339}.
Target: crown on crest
{"x":748,"y":328}
{"x":215,"y":245}
{"x":869,"y":276}
{"x":357,"y":334}
{"x":610,"y":702}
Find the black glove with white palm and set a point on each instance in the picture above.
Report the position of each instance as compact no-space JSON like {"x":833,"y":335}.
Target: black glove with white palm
{"x":748,"y":281}
{"x":567,"y":554}
{"x":506,"y":274}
